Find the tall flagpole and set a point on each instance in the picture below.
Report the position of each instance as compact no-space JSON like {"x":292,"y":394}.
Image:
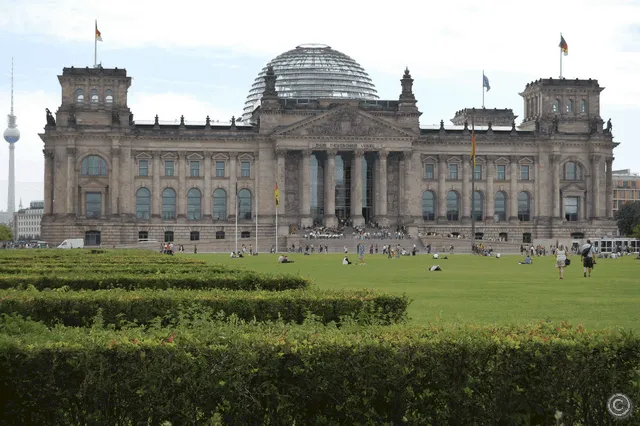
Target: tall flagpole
{"x":482,"y":89}
{"x":237,"y":201}
{"x":277,"y":208}
{"x":255,"y":250}
{"x":561,"y":56}
{"x":95,"y":45}
{"x":473,"y":182}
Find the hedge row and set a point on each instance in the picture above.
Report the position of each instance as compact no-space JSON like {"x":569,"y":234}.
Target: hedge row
{"x":121,"y":307}
{"x":245,"y":280}
{"x":312,"y":374}
{"x":142,"y":268}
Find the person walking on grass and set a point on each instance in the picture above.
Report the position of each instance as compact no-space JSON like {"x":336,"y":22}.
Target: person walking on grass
{"x":561,"y":259}
{"x":587,"y":253}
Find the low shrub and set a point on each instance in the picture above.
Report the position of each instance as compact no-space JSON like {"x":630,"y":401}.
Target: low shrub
{"x":247,"y":374}
{"x":244,"y":280}
{"x":143,"y":268}
{"x":120,"y":307}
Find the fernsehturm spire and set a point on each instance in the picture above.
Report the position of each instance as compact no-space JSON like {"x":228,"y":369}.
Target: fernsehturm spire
{"x":12,"y":135}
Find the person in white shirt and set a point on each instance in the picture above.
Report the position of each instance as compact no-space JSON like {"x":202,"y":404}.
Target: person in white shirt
{"x":587,"y":253}
{"x":561,"y":258}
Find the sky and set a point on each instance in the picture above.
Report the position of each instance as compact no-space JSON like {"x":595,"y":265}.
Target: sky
{"x":200,"y":58}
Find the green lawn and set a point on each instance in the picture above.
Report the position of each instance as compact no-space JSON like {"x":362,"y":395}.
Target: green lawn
{"x":479,"y":289}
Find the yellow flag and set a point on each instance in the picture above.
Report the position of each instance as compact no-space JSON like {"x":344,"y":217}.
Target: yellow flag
{"x":276,"y":195}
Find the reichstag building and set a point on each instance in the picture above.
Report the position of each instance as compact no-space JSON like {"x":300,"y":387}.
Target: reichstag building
{"x":313,"y":125}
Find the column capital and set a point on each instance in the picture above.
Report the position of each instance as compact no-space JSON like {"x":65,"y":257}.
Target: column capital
{"x":514,"y":159}
{"x":490,"y":158}
{"x":115,"y":151}
{"x":332,"y":152}
{"x":407,"y":154}
{"x":156,"y":153}
{"x":609,"y":160}
{"x":383,"y":154}
{"x":307,"y":152}
{"x":555,"y":158}
{"x":281,"y":152}
{"x":595,"y":157}
{"x":442,"y":158}
{"x":71,"y":151}
{"x":358,"y":152}
{"x":48,"y":152}
{"x":233,"y":155}
{"x":182,"y":154}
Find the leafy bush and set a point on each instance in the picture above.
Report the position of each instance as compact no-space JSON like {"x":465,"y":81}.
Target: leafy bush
{"x":143,"y":306}
{"x":246,"y":374}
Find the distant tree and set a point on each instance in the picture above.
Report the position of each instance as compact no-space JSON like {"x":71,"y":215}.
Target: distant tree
{"x":636,"y":232}
{"x":5,"y":233}
{"x":628,"y":216}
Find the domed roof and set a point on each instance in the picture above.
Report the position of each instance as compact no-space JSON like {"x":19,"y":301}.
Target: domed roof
{"x":313,"y":71}
{"x":12,"y":135}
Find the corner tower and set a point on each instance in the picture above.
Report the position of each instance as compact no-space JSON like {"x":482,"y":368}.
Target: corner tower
{"x":568,"y":106}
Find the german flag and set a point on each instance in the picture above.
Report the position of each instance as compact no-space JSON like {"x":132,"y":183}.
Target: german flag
{"x":563,"y":46}
{"x":276,"y":195}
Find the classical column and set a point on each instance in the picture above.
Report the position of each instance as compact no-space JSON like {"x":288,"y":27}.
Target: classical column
{"x":114,"y":181}
{"x":183,"y":170}
{"x":513,"y":190}
{"x":71,"y":176}
{"x":48,"y":180}
{"x":489,"y":197}
{"x":330,"y":189}
{"x":555,"y":192}
{"x":466,"y":189}
{"x":408,"y":182}
{"x":207,"y":199}
{"x":381,"y":208}
{"x":60,"y":188}
{"x":126,"y":191}
{"x":595,"y":187}
{"x":305,"y":196}
{"x":156,"y":190}
{"x":233,"y":181}
{"x":609,"y":188}
{"x":442,"y":195}
{"x":281,"y":182}
{"x":356,"y":188}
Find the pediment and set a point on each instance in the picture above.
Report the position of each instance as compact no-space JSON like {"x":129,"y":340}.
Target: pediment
{"x":245,"y":156}
{"x":93,"y":184}
{"x":143,"y":156}
{"x":525,"y":160}
{"x":502,"y":160}
{"x":169,"y":156}
{"x":345,"y":121}
{"x":195,"y":156}
{"x":573,"y":189}
{"x":428,"y":159}
{"x":454,"y":160}
{"x":220,"y":156}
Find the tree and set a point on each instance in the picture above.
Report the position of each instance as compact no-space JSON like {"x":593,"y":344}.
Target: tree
{"x":628,"y":216}
{"x":5,"y":233}
{"x":636,"y":232}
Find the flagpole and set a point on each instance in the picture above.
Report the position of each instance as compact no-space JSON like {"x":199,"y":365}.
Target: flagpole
{"x":276,"y":228}
{"x":237,"y":201}
{"x":560,"y":56}
{"x":473,"y":183}
{"x":255,"y":250}
{"x":95,"y":45}
{"x":482,"y":88}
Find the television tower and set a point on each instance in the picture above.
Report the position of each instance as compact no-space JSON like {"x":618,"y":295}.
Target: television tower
{"x":12,"y":135}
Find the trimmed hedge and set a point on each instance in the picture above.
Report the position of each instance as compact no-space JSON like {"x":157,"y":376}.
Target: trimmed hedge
{"x":248,"y":374}
{"x":143,"y":268}
{"x":244,"y":280}
{"x":143,"y":306}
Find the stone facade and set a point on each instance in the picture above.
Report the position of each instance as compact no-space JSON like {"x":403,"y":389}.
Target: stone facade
{"x":113,"y":181}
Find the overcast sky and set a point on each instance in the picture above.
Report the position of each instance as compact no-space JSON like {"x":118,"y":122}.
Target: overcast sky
{"x":200,"y":58}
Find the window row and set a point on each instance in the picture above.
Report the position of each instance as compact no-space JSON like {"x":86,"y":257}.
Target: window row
{"x":430,"y":208}
{"x":94,"y":165}
{"x":194,"y":204}
{"x":195,"y":168}
{"x":569,"y":106}
{"x":454,"y":172}
{"x":94,"y":98}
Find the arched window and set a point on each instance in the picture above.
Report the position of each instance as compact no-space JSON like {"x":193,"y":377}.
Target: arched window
{"x":220,"y":204}
{"x":478,"y":203}
{"x":94,"y":165}
{"x":94,"y":96}
{"x":524,"y":207}
{"x":244,"y":211}
{"x":570,"y":106}
{"x":572,"y":171}
{"x":168,"y":204}
{"x":79,"y":96}
{"x":143,"y":204}
{"x":194,"y":201}
{"x":453,"y":205}
{"x":500,"y":206}
{"x":108,"y":96}
{"x":583,"y":106}
{"x":556,"y":106}
{"x":429,"y":205}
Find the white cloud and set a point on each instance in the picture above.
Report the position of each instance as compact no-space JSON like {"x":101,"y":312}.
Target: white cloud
{"x":431,"y":37}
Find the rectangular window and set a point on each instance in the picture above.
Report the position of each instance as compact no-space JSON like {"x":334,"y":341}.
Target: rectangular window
{"x":501,"y":172}
{"x":453,"y":171}
{"x":194,"y":166}
{"x":195,"y":236}
{"x":143,"y":168}
{"x":477,"y":172}
{"x":429,"y":171}
{"x":93,"y":204}
{"x":143,"y":235}
{"x":571,"y":208}
{"x":168,"y":168}
{"x":220,"y":169}
{"x":245,"y":169}
{"x":524,"y":172}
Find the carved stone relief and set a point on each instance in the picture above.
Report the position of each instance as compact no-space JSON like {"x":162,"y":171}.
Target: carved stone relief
{"x":348,"y":123}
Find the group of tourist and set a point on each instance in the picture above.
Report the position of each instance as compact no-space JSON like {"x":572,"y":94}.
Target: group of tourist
{"x":587,"y":255}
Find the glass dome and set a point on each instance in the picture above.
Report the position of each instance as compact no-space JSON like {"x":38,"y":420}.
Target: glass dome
{"x":313,"y":71}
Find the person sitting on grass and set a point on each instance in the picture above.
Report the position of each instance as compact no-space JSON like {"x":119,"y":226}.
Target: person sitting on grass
{"x":346,"y":261}
{"x":527,"y":261}
{"x":284,"y":259}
